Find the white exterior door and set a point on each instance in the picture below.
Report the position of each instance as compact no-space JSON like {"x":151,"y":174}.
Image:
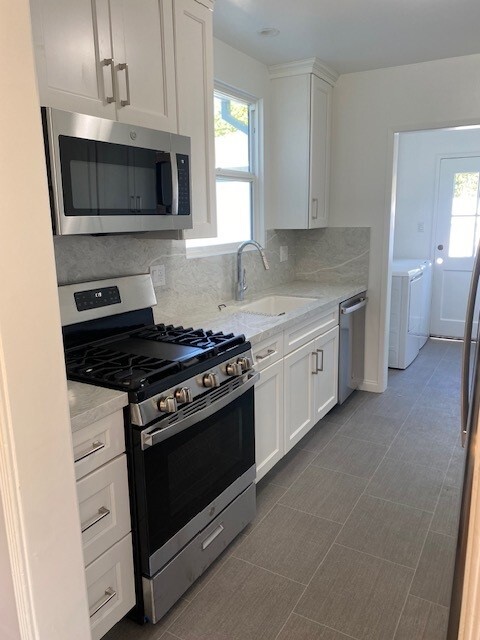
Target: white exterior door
{"x":456,"y":238}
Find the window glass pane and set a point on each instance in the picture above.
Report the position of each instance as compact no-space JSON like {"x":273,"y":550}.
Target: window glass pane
{"x":465,"y":194}
{"x":231,"y":134}
{"x":462,"y":232}
{"x":234,"y":222}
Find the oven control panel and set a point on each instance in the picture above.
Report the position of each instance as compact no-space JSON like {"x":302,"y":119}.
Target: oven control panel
{"x":94,"y":298}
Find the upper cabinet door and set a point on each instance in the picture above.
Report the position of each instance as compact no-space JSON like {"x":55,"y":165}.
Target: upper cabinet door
{"x":320,"y":96}
{"x":70,"y":69}
{"x":194,"y":68}
{"x":143,"y":49}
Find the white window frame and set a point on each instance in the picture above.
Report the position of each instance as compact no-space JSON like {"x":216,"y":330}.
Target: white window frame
{"x":255,"y":176}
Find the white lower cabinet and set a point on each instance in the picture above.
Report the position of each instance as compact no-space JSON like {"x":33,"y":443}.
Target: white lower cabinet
{"x":104,"y":510}
{"x":269,"y":445}
{"x":296,"y":391}
{"x":299,"y":409}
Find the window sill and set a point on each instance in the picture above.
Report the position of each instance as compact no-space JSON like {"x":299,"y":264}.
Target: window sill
{"x":213,"y":250}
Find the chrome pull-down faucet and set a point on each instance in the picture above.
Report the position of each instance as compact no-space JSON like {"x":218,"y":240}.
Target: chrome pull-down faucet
{"x":241,"y":284}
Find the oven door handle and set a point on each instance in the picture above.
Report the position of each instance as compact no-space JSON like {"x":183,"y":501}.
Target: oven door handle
{"x":156,"y":435}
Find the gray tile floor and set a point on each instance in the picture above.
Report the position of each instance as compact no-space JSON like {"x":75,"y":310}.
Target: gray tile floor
{"x":355,"y":530}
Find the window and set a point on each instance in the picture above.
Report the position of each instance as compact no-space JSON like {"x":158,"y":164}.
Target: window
{"x":236,"y":162}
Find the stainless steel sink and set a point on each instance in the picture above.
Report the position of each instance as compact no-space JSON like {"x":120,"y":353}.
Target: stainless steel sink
{"x":276,"y":305}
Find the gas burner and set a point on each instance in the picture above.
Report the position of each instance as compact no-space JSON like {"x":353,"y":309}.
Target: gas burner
{"x":148,"y":356}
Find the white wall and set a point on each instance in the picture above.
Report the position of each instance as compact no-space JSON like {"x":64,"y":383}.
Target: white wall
{"x":419,"y":155}
{"x":368,"y":108}
{"x":40,"y":538}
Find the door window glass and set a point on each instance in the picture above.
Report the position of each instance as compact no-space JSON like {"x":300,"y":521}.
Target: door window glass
{"x":464,"y":225}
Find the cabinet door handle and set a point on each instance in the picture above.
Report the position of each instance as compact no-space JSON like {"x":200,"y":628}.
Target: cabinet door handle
{"x":132,"y":204}
{"x":139,"y":203}
{"x":320,"y":369}
{"x":109,"y":594}
{"x":315,"y":355}
{"x":109,"y":62}
{"x":123,"y":66}
{"x":269,"y":353}
{"x":102,"y":513}
{"x":315,"y":208}
{"x":94,"y":447}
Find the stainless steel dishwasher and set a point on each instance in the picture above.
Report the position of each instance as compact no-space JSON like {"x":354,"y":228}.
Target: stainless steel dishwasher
{"x":351,"y":358}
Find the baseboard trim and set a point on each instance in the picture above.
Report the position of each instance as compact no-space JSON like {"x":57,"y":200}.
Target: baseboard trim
{"x":371,"y":385}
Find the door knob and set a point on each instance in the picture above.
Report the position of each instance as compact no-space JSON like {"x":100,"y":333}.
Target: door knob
{"x":440,"y":247}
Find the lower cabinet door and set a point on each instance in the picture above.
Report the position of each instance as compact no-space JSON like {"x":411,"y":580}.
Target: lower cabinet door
{"x":325,"y":381}
{"x":269,"y":437}
{"x":299,"y":413}
{"x":110,"y":587}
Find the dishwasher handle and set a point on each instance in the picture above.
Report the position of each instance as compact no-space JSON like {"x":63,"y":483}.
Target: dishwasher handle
{"x":362,"y":302}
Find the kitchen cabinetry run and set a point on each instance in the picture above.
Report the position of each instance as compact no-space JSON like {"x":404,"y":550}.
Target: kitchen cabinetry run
{"x":300,"y":133}
{"x":146,"y":63}
{"x":108,"y":58}
{"x":103,"y":499}
{"x":295,"y":391}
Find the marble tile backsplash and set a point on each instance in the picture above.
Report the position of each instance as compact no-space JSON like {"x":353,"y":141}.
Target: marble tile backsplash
{"x":333,"y":255}
{"x":324,"y":255}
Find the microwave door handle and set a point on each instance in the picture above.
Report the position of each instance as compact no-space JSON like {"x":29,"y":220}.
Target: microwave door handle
{"x":467,"y":346}
{"x":173,"y":160}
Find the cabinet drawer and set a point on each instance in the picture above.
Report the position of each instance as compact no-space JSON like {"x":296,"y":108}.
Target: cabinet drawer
{"x":98,"y":443}
{"x":104,"y":507}
{"x":110,"y":587}
{"x":268,"y":351}
{"x":299,"y":335}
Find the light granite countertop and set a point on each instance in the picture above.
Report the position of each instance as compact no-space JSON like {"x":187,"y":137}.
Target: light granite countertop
{"x":89,"y":403}
{"x":257,"y":327}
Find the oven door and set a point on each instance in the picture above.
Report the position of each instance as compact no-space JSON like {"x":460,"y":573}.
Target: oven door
{"x":184,"y":480}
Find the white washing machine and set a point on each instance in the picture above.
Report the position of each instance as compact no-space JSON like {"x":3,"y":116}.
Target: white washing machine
{"x":410,"y":310}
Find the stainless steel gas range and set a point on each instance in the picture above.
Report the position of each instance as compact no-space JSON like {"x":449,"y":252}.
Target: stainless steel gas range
{"x":189,"y":428}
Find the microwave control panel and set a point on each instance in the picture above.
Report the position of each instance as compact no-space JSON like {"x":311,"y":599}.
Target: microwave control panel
{"x":183,"y":169}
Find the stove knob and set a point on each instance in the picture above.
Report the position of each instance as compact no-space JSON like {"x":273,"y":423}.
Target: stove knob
{"x":183,"y":395}
{"x":234,"y":369}
{"x":167,"y":404}
{"x":210,"y":380}
{"x":245,"y":363}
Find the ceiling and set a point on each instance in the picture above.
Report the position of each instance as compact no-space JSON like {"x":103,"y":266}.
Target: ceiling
{"x":351,"y":35}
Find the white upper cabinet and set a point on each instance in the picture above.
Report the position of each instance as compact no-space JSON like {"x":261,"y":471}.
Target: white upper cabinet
{"x":143,"y":50}
{"x":109,"y":58}
{"x":300,"y":133}
{"x":194,"y":66}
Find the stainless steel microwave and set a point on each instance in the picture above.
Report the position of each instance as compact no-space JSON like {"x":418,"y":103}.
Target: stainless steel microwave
{"x":111,"y":177}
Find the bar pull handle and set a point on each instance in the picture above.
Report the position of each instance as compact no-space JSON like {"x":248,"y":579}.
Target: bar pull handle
{"x":315,"y":355}
{"x":315,"y":208}
{"x":269,"y":353}
{"x":123,"y":66}
{"x":472,"y":297}
{"x":139,"y":203}
{"x":109,"y":595}
{"x":132,"y":204}
{"x":102,"y":513}
{"x":208,"y":541}
{"x":109,"y":62}
{"x":94,"y":447}
{"x":320,"y":369}
{"x":354,"y":307}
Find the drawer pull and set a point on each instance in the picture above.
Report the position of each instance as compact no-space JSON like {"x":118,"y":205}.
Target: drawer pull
{"x":94,"y":447}
{"x":319,"y":368}
{"x":208,"y":541}
{"x":102,"y":513}
{"x":269,"y":353}
{"x":109,"y":594}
